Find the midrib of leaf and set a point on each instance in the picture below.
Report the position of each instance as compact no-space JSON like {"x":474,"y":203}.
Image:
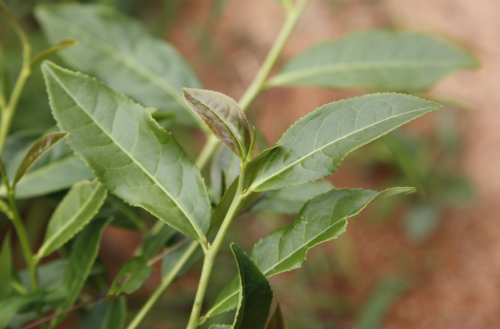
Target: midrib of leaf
{"x":328,"y":69}
{"x":191,"y":221}
{"x":225,"y":123}
{"x":133,"y":65}
{"x":254,"y":185}
{"x":48,"y":242}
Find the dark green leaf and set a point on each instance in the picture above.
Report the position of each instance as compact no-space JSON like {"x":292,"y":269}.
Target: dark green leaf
{"x":384,"y":59}
{"x":256,"y":297}
{"x":277,"y":320}
{"x":75,"y":211}
{"x":291,"y":199}
{"x":373,"y":311}
{"x":315,"y":145}
{"x":156,"y":239}
{"x":223,"y":117}
{"x":321,"y":219}
{"x":121,"y":142}
{"x":83,"y":254}
{"x":131,"y":277}
{"x":124,"y":216}
{"x":127,"y":58}
{"x":224,"y":169}
{"x":106,"y":315}
{"x":5,"y":268}
{"x":40,"y":147}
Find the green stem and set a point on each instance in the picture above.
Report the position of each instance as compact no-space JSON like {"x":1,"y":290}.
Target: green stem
{"x":165,"y":283}
{"x":208,"y":263}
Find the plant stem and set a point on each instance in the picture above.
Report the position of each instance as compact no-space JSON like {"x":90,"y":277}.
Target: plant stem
{"x":165,"y":283}
{"x":208,"y":263}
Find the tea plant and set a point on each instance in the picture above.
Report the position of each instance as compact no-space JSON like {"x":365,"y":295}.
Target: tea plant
{"x":113,"y":126}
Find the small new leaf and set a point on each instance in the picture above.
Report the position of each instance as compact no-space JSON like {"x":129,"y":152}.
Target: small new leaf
{"x":256,"y":297}
{"x":223,"y":116}
{"x":131,"y":277}
{"x":37,"y":150}
{"x":277,"y":320}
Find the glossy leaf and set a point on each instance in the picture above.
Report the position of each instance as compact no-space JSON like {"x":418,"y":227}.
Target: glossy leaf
{"x":75,"y":211}
{"x":5,"y":268}
{"x":321,"y":219}
{"x":315,"y":145}
{"x":106,"y":315}
{"x":277,"y":320}
{"x":83,"y":254}
{"x":128,"y":152}
{"x":223,"y":117}
{"x":37,"y":150}
{"x":224,"y":169}
{"x":127,"y":57}
{"x":256,"y":294}
{"x":131,"y":277}
{"x":291,"y":199}
{"x":383,"y":59}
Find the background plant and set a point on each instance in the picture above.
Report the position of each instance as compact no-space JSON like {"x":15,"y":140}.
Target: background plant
{"x":173,"y":110}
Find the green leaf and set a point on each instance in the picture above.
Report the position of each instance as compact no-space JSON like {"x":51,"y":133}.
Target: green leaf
{"x":170,"y":262}
{"x":256,"y":297}
{"x":131,"y":277}
{"x":314,"y":146}
{"x":291,"y":199}
{"x":399,"y":61}
{"x":277,"y":320}
{"x":220,"y":326}
{"x":321,"y":219}
{"x":120,"y":142}
{"x":378,"y":303}
{"x":224,"y":169}
{"x":5,"y":268}
{"x":49,"y":275}
{"x":36,"y":151}
{"x":124,"y":216}
{"x":223,"y":116}
{"x":106,"y":315}
{"x":83,"y":254}
{"x":127,"y":58}
{"x":156,"y":239}
{"x":75,"y":211}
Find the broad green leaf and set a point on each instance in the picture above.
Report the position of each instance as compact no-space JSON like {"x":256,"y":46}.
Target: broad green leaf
{"x":128,"y":152}
{"x":315,"y":145}
{"x":26,"y":303}
{"x":224,"y":169}
{"x":256,"y":294}
{"x":106,"y":315}
{"x":5,"y":268}
{"x":291,"y":199}
{"x":156,"y":239}
{"x":83,"y":254}
{"x":277,"y":320}
{"x":223,"y":116}
{"x":378,"y":303}
{"x":75,"y":211}
{"x":131,"y":277}
{"x":321,"y":219}
{"x":127,"y":57}
{"x":383,"y":59}
{"x":36,"y":151}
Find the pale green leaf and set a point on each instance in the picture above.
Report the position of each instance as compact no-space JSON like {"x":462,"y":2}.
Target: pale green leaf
{"x":384,"y":59}
{"x":314,"y":146}
{"x":131,"y":277}
{"x":291,"y":199}
{"x":5,"y":268}
{"x":83,"y":254}
{"x":256,"y":294}
{"x":223,"y":116}
{"x":128,"y":152}
{"x":321,"y":219}
{"x":75,"y":211}
{"x":122,"y":53}
{"x":106,"y":315}
{"x":277,"y":320}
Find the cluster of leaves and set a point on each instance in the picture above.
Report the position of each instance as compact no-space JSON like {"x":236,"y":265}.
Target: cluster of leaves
{"x":109,"y":116}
